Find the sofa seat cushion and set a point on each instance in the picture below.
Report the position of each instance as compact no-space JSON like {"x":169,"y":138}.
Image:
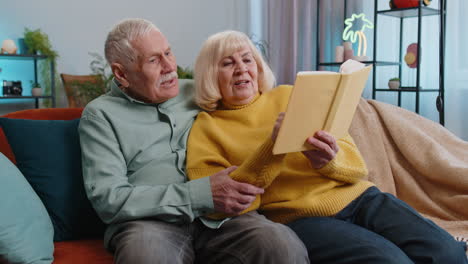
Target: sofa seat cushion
{"x":81,"y":251}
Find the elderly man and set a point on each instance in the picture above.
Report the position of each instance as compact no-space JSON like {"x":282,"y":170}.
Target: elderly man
{"x":133,"y":143}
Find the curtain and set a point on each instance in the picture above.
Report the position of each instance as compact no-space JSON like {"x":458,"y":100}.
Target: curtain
{"x":456,"y":68}
{"x":289,"y":31}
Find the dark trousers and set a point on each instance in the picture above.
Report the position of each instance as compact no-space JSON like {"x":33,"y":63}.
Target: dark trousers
{"x":377,"y":228}
{"x":249,"y":238}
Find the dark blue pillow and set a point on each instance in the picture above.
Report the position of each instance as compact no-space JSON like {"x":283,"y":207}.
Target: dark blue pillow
{"x":48,"y":154}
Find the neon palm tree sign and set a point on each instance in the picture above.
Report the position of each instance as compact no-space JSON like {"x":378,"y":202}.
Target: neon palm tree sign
{"x":350,"y":35}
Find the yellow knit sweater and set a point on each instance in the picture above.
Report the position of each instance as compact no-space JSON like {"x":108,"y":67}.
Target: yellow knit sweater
{"x":241,"y":136}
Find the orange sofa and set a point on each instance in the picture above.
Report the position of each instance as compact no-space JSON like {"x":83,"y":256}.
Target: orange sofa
{"x":87,"y":251}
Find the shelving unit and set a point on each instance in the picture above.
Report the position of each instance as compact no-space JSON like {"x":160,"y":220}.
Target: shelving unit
{"x":34,"y":59}
{"x":401,"y":14}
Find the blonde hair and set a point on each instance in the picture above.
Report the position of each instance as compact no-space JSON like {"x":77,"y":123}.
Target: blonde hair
{"x":216,"y":47}
{"x":118,"y":47}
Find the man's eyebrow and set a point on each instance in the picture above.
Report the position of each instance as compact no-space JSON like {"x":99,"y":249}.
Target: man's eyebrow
{"x":158,"y":53}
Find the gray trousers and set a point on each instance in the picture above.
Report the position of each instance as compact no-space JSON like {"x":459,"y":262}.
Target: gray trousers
{"x":250,"y":238}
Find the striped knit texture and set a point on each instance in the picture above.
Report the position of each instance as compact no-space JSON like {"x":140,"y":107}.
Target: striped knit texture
{"x":241,"y":136}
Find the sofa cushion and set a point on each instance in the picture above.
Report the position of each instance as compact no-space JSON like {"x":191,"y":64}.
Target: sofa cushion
{"x":48,"y":154}
{"x":21,"y":239}
{"x":37,"y":114}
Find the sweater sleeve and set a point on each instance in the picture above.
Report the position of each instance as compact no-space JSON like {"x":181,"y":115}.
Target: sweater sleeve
{"x":260,"y":168}
{"x":348,"y":165}
{"x":206,"y":156}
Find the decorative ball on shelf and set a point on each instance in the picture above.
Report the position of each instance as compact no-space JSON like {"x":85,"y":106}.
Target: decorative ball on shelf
{"x":411,"y":57}
{"x":9,"y":47}
{"x":407,"y":3}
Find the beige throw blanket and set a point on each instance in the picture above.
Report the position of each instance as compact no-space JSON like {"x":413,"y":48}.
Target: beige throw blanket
{"x":417,"y":160}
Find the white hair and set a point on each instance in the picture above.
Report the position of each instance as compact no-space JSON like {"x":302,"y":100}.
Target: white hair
{"x":217,"y":46}
{"x":118,"y":47}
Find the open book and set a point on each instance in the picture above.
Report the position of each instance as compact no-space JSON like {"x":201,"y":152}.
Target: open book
{"x":321,"y":100}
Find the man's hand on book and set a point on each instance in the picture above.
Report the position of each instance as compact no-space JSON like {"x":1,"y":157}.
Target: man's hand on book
{"x":325,"y":149}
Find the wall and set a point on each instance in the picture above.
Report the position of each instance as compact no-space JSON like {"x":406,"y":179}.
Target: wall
{"x":78,"y":27}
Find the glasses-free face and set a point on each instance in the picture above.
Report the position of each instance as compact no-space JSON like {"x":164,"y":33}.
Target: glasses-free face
{"x":153,"y":79}
{"x":237,"y":77}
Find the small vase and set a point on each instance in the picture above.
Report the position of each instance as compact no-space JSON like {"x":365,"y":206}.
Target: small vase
{"x":394,"y":84}
{"x":36,"y":91}
{"x":23,"y":49}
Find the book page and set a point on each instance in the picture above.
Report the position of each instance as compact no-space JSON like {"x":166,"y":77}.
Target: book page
{"x":321,"y":101}
{"x":345,"y":103}
{"x":307,"y":110}
{"x":351,"y":66}
{"x":315,"y":72}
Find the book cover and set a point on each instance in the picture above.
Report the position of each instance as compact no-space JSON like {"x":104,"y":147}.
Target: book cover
{"x":321,"y":101}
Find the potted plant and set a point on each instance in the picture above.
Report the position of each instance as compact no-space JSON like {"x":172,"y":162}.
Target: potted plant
{"x":38,"y":42}
{"x":36,"y":89}
{"x":394,"y":83}
{"x":97,"y":83}
{"x":262,"y":46}
{"x":184,"y":73}
{"x":99,"y":66}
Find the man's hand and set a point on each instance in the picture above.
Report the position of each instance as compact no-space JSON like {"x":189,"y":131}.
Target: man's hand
{"x":229,"y":196}
{"x":326,"y":149}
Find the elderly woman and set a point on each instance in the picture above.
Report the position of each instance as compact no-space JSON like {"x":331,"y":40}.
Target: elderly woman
{"x":319,"y":193}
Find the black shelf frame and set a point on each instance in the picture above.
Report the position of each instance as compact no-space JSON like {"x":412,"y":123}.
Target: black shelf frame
{"x":405,"y":89}
{"x":379,"y":63}
{"x":34,"y":58}
{"x":409,"y":12}
{"x":401,"y":14}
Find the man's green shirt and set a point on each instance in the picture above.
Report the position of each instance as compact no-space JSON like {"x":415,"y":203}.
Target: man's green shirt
{"x":133,"y":157}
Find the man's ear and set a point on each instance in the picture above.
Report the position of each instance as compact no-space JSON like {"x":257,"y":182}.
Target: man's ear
{"x":119,"y":73}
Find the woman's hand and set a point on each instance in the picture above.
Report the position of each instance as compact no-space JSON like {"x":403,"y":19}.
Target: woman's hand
{"x":277,"y":126}
{"x":326,"y":149}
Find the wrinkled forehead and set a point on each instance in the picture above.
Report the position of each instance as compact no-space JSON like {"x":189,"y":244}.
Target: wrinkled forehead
{"x":151,"y":43}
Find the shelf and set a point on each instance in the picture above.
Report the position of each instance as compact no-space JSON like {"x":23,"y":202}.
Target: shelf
{"x":405,"y":89}
{"x":25,"y":97}
{"x":33,"y":58}
{"x":21,"y":56}
{"x":379,"y":63}
{"x":409,"y":12}
{"x":414,"y":88}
